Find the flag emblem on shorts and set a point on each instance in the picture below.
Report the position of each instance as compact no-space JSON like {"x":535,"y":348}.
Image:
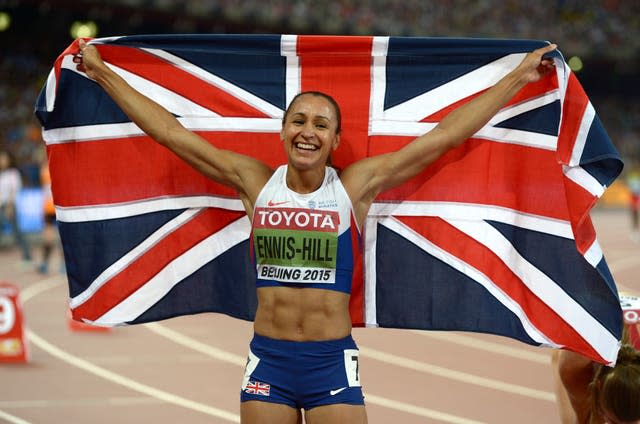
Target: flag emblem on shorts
{"x":257,"y":388}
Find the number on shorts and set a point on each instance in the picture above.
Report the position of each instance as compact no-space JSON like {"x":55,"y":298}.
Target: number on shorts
{"x":352,"y":367}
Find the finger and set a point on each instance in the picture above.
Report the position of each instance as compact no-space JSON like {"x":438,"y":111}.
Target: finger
{"x":547,"y":49}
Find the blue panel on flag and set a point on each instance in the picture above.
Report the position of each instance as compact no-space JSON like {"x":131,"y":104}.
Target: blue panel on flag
{"x":542,"y":120}
{"x":599,"y":157}
{"x":226,"y":285}
{"x":85,"y":103}
{"x":87,"y":252}
{"x":575,"y":274}
{"x":420,"y":291}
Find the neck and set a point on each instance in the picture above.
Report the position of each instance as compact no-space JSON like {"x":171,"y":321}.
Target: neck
{"x":304,"y":181}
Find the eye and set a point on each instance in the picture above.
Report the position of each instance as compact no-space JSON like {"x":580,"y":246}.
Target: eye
{"x":322,"y":126}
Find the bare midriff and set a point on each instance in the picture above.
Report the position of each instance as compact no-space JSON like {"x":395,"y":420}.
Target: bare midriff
{"x":302,"y":314}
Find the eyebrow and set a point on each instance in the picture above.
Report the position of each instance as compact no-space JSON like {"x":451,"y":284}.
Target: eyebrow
{"x":315,"y":117}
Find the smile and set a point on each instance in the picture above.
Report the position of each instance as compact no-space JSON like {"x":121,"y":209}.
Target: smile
{"x":306,"y":146}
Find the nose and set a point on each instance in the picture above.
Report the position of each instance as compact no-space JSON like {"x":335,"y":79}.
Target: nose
{"x":308,"y":131}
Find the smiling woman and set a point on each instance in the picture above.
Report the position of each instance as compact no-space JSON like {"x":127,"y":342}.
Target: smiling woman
{"x":306,"y":234}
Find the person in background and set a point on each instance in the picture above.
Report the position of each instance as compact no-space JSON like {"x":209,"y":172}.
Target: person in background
{"x":633,"y":182}
{"x":592,"y":393}
{"x":10,"y":186}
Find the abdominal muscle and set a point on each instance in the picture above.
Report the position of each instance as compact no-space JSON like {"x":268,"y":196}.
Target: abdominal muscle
{"x":302,"y":314}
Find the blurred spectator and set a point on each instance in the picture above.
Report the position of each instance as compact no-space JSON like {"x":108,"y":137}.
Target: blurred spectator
{"x":10,"y":185}
{"x":633,"y":182}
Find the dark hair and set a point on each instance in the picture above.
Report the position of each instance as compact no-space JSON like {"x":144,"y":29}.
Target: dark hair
{"x":330,"y":99}
{"x":617,"y":389}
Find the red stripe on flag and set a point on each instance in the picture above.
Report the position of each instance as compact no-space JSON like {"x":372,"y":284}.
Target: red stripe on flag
{"x":573,"y":108}
{"x":117,"y":175}
{"x":580,"y":202}
{"x":506,"y":175}
{"x":138,"y":273}
{"x":177,"y":80}
{"x":477,"y":255}
{"x":345,"y":77}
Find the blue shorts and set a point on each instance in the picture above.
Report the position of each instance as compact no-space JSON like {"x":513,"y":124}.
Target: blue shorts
{"x":302,"y":374}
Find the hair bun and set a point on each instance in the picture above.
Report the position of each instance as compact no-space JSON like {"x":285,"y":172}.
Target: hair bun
{"x":628,"y":355}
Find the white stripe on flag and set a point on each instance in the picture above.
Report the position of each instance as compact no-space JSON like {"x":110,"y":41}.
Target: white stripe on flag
{"x":378,"y":79}
{"x":288,"y":47}
{"x":370,"y":242}
{"x":123,"y":210}
{"x":50,"y":90}
{"x":594,"y":254}
{"x":105,"y":132}
{"x":581,"y":138}
{"x":474,"y":212}
{"x":495,"y":134}
{"x":581,"y":177}
{"x":176,"y":271}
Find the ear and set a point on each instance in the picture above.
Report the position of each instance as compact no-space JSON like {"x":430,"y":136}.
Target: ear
{"x":282,"y":134}
{"x":336,"y":141}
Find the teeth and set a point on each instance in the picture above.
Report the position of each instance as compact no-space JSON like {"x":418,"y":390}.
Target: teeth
{"x":306,"y":146}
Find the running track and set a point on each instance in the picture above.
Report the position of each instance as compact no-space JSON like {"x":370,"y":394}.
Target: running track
{"x":188,"y":369}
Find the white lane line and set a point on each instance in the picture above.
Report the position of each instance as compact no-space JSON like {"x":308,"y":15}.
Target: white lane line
{"x":221,"y":355}
{"x":456,"y":375}
{"x":500,"y":349}
{"x":78,"y":362}
{"x":12,"y":418}
{"x":193,"y":344}
{"x":127,"y":382}
{"x":42,"y":403}
{"x":417,"y":410}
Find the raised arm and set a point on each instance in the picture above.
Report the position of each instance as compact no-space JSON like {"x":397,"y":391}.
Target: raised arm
{"x":365,"y":179}
{"x":245,"y":174}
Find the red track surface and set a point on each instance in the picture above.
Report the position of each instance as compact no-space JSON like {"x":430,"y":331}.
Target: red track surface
{"x":189,"y":369}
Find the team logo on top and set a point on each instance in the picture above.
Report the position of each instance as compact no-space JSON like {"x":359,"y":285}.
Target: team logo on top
{"x":296,"y":219}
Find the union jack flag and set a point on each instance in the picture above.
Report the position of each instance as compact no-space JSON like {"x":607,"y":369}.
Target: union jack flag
{"x":257,"y":388}
{"x":494,"y":237}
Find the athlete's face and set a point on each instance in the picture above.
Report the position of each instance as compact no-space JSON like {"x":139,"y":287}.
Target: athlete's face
{"x":309,"y":132}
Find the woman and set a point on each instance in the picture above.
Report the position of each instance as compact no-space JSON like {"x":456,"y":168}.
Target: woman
{"x":590,"y":393}
{"x":302,"y":355}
